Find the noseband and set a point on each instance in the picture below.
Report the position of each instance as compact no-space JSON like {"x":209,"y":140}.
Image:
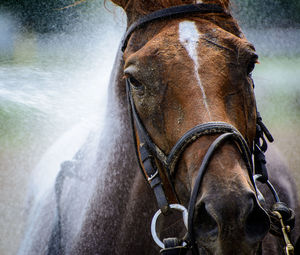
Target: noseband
{"x":151,"y":157}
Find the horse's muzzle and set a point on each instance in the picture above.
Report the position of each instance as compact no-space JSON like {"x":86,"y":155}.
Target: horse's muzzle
{"x":223,"y":217}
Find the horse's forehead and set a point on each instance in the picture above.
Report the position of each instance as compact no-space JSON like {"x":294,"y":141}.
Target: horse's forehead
{"x":193,"y":35}
{"x":182,"y":31}
{"x":179,"y":45}
{"x":189,"y":35}
{"x":187,"y":42}
{"x":181,"y":34}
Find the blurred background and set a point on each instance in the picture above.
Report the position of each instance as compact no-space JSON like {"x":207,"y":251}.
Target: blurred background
{"x":55,"y":61}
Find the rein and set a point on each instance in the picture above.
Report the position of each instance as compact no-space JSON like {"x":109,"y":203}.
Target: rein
{"x":149,"y":154}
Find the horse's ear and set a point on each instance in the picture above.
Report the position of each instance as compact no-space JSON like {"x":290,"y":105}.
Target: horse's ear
{"x":224,"y":3}
{"x":121,"y":3}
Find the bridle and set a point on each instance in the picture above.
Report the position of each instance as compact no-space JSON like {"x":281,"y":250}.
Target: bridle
{"x":151,"y":157}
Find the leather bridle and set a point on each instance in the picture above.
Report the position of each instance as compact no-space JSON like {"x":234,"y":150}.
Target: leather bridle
{"x":151,"y":157}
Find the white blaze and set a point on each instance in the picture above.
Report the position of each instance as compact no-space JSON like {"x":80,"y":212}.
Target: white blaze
{"x":189,"y":37}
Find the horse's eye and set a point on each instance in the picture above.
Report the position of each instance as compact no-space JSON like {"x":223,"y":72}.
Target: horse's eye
{"x":251,"y":64}
{"x":250,"y":67}
{"x":134,"y":82}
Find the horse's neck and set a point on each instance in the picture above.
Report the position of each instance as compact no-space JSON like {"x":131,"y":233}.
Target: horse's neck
{"x":117,"y":132}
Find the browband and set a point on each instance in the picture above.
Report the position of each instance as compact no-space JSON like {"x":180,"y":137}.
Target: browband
{"x":171,"y":12}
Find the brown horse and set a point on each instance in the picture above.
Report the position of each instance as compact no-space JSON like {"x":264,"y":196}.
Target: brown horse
{"x":184,"y":70}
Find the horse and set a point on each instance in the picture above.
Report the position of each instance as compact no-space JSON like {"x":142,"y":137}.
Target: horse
{"x":181,"y":109}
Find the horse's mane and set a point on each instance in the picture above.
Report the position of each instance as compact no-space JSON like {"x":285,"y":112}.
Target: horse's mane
{"x":146,"y":6}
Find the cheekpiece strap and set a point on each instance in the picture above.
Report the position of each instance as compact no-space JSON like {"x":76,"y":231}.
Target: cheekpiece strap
{"x":153,"y":178}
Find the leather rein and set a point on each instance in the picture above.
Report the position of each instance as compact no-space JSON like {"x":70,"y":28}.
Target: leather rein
{"x":151,"y":158}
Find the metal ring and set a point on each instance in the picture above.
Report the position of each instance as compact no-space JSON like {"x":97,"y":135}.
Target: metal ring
{"x":270,"y":186}
{"x":177,"y":207}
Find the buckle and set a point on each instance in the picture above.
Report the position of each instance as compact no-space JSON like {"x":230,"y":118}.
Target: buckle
{"x":149,"y":179}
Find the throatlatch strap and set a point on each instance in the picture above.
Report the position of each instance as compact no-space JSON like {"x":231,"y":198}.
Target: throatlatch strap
{"x":260,"y":164}
{"x":282,"y":217}
{"x":260,"y":147}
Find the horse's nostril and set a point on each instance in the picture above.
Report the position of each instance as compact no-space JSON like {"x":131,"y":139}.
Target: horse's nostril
{"x":257,"y":224}
{"x":205,"y":225}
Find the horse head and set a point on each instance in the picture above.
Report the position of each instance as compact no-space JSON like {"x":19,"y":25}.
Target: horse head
{"x":193,"y":70}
